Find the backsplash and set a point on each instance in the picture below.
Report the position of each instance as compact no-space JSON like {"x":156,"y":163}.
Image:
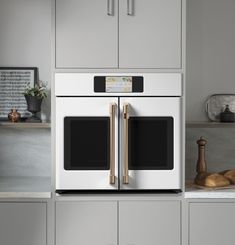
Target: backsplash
{"x":25,"y":152}
{"x":220,"y":149}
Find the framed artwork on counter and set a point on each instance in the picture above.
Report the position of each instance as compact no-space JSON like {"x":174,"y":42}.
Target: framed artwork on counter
{"x":13,"y":82}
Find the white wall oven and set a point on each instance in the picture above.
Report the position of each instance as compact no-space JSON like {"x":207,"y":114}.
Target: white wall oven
{"x":118,"y":132}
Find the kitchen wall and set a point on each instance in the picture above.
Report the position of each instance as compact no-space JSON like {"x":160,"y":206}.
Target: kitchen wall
{"x":210,"y":69}
{"x":21,"y":155}
{"x":210,"y":53}
{"x":25,"y":38}
{"x":220,"y":149}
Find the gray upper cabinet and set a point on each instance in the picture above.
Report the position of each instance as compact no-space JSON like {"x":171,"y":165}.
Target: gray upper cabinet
{"x":86,"y":33}
{"x":23,"y":223}
{"x":118,"y":34}
{"x":149,"y":222}
{"x":211,"y":223}
{"x":150,"y":34}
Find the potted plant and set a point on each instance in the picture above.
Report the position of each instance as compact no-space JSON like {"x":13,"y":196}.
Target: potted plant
{"x":34,"y":97}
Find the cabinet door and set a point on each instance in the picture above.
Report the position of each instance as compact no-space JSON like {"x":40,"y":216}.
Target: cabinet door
{"x":150,"y":158}
{"x":86,"y":33}
{"x":87,"y":143}
{"x":150,"y":34}
{"x":23,"y":223}
{"x":149,"y":222}
{"x":211,"y":223}
{"x":86,"y":223}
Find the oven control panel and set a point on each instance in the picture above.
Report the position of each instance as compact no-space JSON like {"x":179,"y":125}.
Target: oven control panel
{"x":118,"y":84}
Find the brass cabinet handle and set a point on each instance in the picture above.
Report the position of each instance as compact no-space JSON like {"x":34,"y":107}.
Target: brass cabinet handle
{"x":112,"y":108}
{"x":110,"y":7}
{"x":130,"y":7}
{"x":125,"y":131}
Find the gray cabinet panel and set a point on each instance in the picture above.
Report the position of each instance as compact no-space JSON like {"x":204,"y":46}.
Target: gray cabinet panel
{"x":211,"y":223}
{"x":23,"y":223}
{"x":149,"y":222}
{"x":151,"y":36}
{"x":86,"y":223}
{"x":86,"y":36}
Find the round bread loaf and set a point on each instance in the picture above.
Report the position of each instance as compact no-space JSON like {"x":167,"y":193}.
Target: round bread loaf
{"x":230,"y":175}
{"x":216,"y":180}
{"x":211,"y":180}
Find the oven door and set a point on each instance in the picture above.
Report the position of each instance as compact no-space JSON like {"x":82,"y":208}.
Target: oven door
{"x":150,"y":143}
{"x":86,"y":143}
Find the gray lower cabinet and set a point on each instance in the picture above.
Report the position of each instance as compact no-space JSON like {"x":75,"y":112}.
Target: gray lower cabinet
{"x":86,"y":223}
{"x":211,"y":223}
{"x":149,"y":223}
{"x":23,"y":223}
{"x":118,"y":33}
{"x":118,"y":223}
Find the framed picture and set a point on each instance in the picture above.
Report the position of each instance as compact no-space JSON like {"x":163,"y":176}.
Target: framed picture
{"x":13,"y":82}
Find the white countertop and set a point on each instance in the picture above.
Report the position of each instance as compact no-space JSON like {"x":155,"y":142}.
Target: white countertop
{"x":193,"y":192}
{"x":25,"y":187}
{"x":210,"y":194}
{"x":40,"y":187}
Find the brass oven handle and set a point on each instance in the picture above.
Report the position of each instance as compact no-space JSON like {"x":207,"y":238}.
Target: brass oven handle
{"x":112,"y":108}
{"x":125,"y":131}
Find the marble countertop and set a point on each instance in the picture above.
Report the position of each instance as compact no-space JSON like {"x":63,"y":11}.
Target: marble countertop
{"x":25,"y":187}
{"x":40,"y":187}
{"x":191,"y":191}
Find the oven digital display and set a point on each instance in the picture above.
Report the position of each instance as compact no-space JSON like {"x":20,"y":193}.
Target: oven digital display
{"x":118,"y":84}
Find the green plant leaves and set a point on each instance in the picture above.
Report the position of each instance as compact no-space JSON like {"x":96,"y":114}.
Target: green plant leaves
{"x":39,"y":90}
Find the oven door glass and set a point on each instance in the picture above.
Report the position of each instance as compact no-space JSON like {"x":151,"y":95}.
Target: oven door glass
{"x":86,"y":143}
{"x":151,"y":143}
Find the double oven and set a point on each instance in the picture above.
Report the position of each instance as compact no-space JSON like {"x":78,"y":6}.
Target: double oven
{"x":118,"y":132}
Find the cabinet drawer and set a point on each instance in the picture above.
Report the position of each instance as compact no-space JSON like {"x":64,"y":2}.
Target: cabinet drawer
{"x":23,"y":223}
{"x":211,"y":223}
